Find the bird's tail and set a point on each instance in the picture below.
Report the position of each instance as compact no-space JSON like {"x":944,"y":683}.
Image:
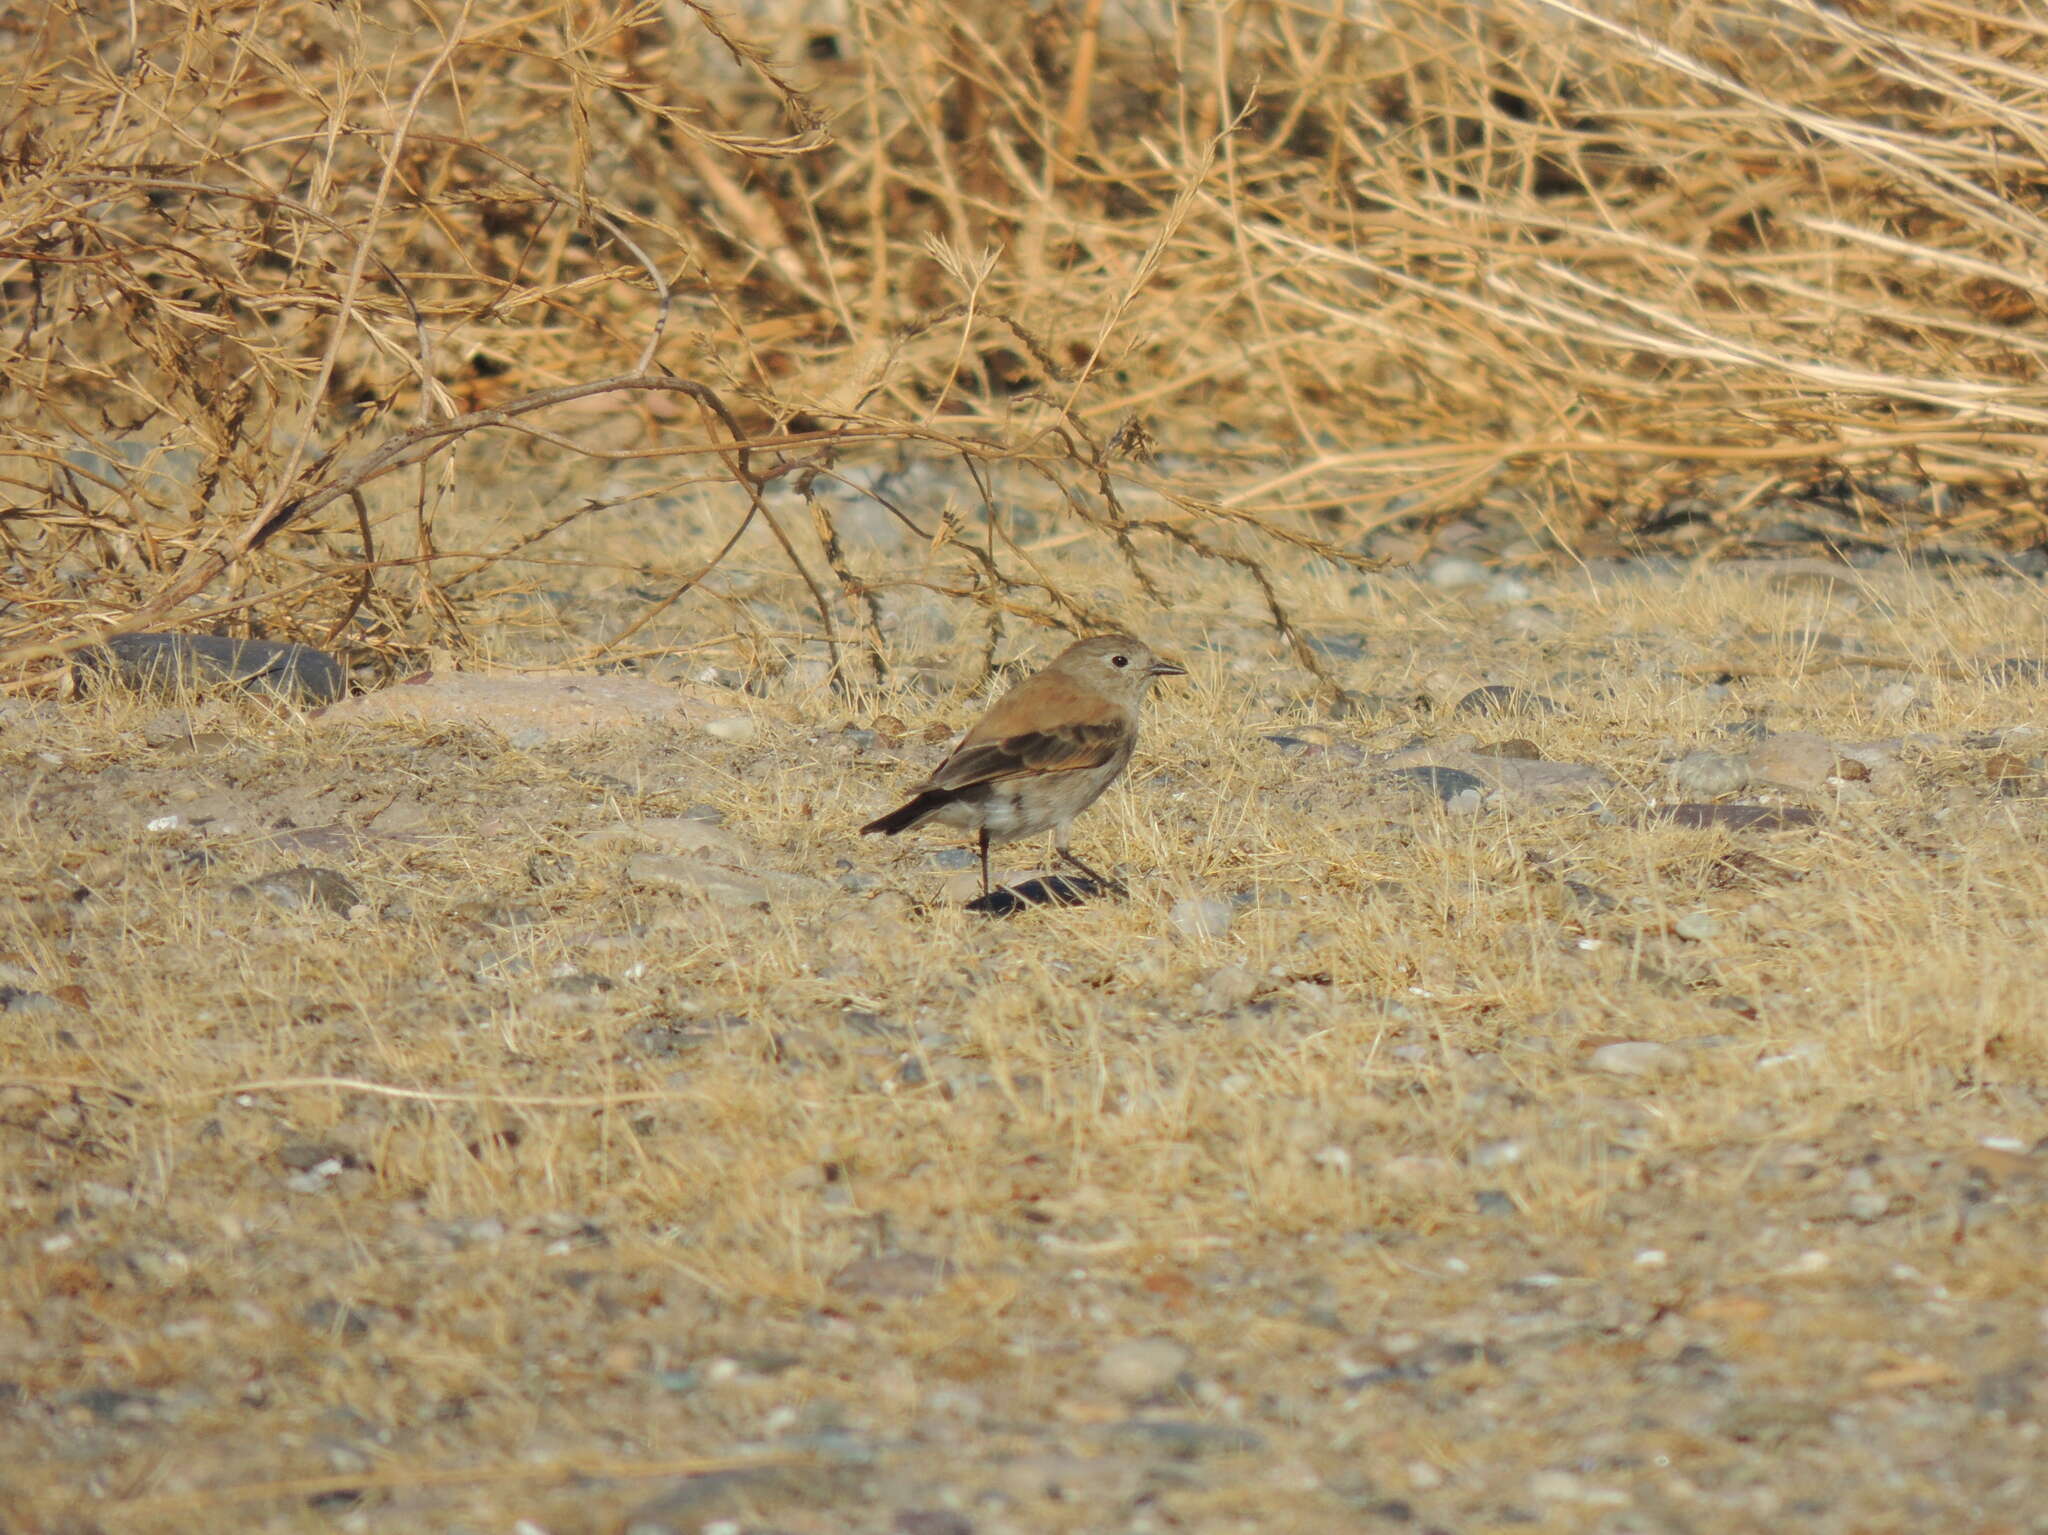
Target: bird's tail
{"x":907,"y":815}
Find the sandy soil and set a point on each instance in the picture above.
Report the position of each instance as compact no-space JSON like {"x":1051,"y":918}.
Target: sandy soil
{"x":536,"y":1123}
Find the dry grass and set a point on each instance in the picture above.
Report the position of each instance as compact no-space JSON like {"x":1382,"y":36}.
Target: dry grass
{"x":584,"y":337}
{"x":594,"y":1240}
{"x":278,"y":287}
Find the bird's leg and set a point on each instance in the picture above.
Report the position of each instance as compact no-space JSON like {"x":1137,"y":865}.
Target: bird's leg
{"x":984,"y":865}
{"x":1102,"y":881}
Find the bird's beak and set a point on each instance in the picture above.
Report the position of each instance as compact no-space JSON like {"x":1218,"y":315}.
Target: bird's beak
{"x":1166,"y":669}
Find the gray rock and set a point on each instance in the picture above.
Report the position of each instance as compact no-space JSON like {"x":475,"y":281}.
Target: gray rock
{"x":2016,"y":669}
{"x":550,"y":868}
{"x":1306,"y":746}
{"x":1497,"y":698}
{"x":1697,"y":926}
{"x":1187,"y":1441}
{"x":694,"y":876}
{"x":304,"y":888}
{"x":1507,"y":590}
{"x":1738,"y":817}
{"x":1708,"y":775}
{"x":1337,"y":647}
{"x":1523,"y":778}
{"x":1445,"y":783}
{"x":1796,"y":760}
{"x":206,"y":662}
{"x":1637,"y":1058}
{"x":893,"y":1276}
{"x":1200,"y":917}
{"x":1450,"y":571}
{"x":931,"y":1521}
{"x":1229,"y":988}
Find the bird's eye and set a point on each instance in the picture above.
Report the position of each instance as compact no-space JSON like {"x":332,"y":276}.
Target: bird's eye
{"x":1119,"y":661}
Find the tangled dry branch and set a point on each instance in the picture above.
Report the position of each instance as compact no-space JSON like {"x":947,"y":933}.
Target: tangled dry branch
{"x":1340,"y":264}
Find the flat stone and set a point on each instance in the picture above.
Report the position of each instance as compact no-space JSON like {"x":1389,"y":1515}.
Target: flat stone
{"x":1697,"y":926}
{"x":156,"y":663}
{"x":696,"y":876}
{"x":737,"y":729}
{"x":1229,"y":988}
{"x":894,"y":1276}
{"x":1451,"y":571}
{"x":1541,"y":780}
{"x":1637,"y":1058}
{"x":1497,"y":698}
{"x":1184,"y":1440}
{"x":304,"y":888}
{"x":2016,"y":669}
{"x":1738,"y":817}
{"x":1708,"y":775}
{"x":1446,"y":783}
{"x":678,"y":834}
{"x":1796,"y":760}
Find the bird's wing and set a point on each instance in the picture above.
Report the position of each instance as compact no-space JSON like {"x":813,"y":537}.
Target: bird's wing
{"x":1045,"y":725}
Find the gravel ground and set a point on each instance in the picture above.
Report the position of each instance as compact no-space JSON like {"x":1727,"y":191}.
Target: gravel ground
{"x":1589,"y":1079}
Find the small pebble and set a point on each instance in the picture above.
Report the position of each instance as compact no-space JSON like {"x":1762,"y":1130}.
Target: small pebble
{"x":1697,"y":926}
{"x":1498,"y":698}
{"x":1498,"y":1153}
{"x":1454,"y":570}
{"x":1202,"y":917}
{"x":1141,"y":1366}
{"x":724,"y":887}
{"x":1515,"y":749}
{"x":1708,"y":774}
{"x":1796,"y":760}
{"x":1446,"y":783}
{"x":1896,"y":698}
{"x":1507,"y":590}
{"x":1229,"y":988}
{"x":1637,"y":1058}
{"x":304,"y":888}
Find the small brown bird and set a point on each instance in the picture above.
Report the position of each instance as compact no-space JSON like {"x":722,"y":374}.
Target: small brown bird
{"x":1043,"y":753}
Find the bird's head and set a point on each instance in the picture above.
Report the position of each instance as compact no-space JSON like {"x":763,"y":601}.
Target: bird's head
{"x":1119,"y":664}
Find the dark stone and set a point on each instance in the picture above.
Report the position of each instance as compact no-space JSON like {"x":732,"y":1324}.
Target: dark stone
{"x":1337,"y":647}
{"x":303,"y":888}
{"x":1499,"y":698}
{"x":2017,"y":669}
{"x":110,"y":1405}
{"x":931,"y":1521}
{"x":1184,"y":1440}
{"x":1445,"y":783}
{"x":178,"y":662}
{"x":2011,"y":1391}
{"x":1751,"y":729}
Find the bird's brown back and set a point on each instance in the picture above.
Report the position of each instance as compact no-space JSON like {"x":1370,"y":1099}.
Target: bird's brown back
{"x":1010,"y":741}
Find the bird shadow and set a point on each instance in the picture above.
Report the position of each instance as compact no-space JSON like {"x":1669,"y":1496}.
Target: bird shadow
{"x":1052,"y":890}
